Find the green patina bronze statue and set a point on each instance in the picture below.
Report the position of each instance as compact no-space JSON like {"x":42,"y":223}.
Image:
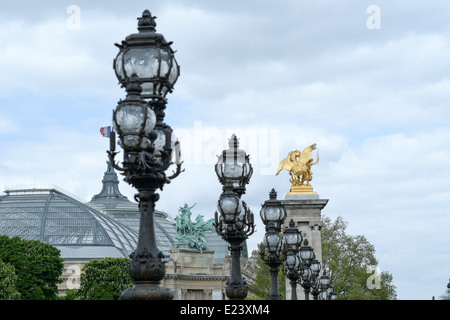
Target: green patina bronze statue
{"x":191,"y":233}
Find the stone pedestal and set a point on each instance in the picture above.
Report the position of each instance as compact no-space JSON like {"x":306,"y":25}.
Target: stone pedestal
{"x":301,"y":190}
{"x":305,"y":209}
{"x":194,"y":275}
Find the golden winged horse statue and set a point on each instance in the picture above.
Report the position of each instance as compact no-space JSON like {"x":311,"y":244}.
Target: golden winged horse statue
{"x":299,"y":164}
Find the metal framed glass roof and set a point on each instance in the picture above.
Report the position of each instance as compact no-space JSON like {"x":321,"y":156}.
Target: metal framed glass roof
{"x":106,"y":226}
{"x":51,"y":216}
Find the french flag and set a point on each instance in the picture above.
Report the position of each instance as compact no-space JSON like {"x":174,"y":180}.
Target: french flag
{"x":105,"y":131}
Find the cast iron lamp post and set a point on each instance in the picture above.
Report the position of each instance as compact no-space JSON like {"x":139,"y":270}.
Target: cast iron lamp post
{"x":324,"y":285}
{"x":306,"y":255}
{"x":292,"y":242}
{"x":272,"y":215}
{"x":315,"y":270}
{"x":329,"y":294}
{"x":147,"y":68}
{"x":327,"y":290}
{"x":236,"y":222}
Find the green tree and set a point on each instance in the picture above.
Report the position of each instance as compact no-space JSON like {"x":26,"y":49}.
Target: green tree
{"x":8,"y":281}
{"x":351,"y":264}
{"x":103,"y":279}
{"x":38,"y":267}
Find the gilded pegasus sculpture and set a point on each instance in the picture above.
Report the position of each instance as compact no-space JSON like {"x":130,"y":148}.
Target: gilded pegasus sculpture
{"x":299,"y":164}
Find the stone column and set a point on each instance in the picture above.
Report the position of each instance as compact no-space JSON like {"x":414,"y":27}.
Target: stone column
{"x":305,"y":210}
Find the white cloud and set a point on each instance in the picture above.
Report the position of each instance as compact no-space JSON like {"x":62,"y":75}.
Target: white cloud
{"x":375,"y":102}
{"x":8,"y":126}
{"x":394,"y":190}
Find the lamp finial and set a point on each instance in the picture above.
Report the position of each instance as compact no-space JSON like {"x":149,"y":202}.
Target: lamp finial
{"x":146,"y":22}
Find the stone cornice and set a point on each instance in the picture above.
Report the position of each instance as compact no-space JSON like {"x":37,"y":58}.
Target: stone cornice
{"x":306,"y":203}
{"x":197,"y":277}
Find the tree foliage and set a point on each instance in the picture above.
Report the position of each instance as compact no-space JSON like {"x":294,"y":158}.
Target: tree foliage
{"x":352,"y":266}
{"x":261,"y":287}
{"x":349,"y":261}
{"x":8,"y":282}
{"x":38,"y":267}
{"x":103,"y":279}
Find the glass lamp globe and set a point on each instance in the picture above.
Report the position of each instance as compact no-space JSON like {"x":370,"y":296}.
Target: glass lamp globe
{"x":160,"y":141}
{"x":324,"y":281}
{"x":292,"y":237}
{"x":273,"y":242}
{"x":233,"y":166}
{"x":315,"y":267}
{"x":306,"y":253}
{"x":150,"y":56}
{"x":167,"y":141}
{"x":272,"y":212}
{"x":229,"y":205}
{"x":133,"y":120}
{"x":306,"y":274}
{"x":292,"y":262}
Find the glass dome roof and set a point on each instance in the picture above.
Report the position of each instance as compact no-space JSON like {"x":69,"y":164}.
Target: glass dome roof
{"x":111,"y":202}
{"x":50,"y":215}
{"x":106,"y":226}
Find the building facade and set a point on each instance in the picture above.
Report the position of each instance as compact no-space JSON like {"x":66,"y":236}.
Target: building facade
{"x":108,"y":226}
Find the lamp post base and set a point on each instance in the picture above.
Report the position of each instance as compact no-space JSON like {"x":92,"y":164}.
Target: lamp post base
{"x":237,"y":288}
{"x":146,"y":290}
{"x":147,"y":267}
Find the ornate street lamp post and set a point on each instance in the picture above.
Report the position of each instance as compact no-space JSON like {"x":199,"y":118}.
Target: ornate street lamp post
{"x":306,"y":255}
{"x":146,"y":67}
{"x":324,"y":285}
{"x":235,"y":222}
{"x":292,"y":242}
{"x":315,"y":269}
{"x":327,"y":290}
{"x":273,"y":215}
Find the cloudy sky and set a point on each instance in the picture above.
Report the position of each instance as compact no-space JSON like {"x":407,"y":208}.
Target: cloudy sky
{"x":368,"y":81}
